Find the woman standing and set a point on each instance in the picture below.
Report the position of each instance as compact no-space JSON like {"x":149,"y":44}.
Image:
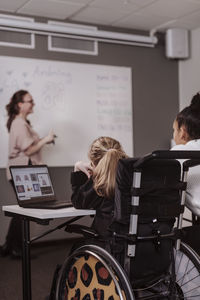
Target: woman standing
{"x":24,"y":148}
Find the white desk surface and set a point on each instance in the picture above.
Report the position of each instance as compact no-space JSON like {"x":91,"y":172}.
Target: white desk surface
{"x":48,"y":213}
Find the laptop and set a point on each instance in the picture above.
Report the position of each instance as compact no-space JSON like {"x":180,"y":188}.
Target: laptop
{"x":34,"y":189}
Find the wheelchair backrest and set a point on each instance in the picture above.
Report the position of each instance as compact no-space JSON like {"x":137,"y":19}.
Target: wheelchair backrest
{"x":159,"y":191}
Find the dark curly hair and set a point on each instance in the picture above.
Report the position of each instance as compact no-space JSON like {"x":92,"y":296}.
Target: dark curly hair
{"x":190,"y":118}
{"x":13,"y":108}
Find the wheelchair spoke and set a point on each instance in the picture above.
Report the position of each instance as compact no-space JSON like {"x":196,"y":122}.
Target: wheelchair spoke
{"x":155,"y":296}
{"x":187,"y":283}
{"x":187,"y":273}
{"x":187,"y":266}
{"x":190,"y":281}
{"x":179,"y":261}
{"x":196,"y":287}
{"x":189,"y":297}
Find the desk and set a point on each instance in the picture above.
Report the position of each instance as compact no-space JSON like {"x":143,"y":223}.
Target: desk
{"x":41,"y":216}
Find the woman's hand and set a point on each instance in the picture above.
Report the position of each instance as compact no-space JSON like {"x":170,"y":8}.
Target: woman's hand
{"x":34,"y":148}
{"x":84,"y":167}
{"x":50,"y":137}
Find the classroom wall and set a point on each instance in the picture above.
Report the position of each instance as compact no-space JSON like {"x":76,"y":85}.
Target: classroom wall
{"x":155,"y":94}
{"x":189,"y":71}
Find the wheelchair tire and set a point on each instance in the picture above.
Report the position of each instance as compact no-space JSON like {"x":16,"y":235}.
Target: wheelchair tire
{"x":91,"y":273}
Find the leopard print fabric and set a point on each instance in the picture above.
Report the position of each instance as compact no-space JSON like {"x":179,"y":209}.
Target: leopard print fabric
{"x":88,"y":279}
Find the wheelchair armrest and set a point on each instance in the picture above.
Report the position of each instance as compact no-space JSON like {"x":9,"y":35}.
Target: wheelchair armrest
{"x":81,"y":229}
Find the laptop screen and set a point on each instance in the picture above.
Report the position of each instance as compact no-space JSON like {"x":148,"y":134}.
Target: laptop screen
{"x":32,"y":182}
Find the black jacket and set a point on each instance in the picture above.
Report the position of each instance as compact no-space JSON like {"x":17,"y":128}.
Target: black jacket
{"x":84,"y":196}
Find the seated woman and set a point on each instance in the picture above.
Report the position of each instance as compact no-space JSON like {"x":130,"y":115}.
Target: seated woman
{"x":187,"y":137}
{"x":93,"y":183}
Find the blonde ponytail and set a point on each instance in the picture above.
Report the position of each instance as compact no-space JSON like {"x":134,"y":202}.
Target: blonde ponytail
{"x":105,"y":153}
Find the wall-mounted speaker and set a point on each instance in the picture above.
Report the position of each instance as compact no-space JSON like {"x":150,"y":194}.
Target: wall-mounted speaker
{"x":177,"y":43}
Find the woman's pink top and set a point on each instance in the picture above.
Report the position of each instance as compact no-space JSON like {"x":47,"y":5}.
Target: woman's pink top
{"x":21,"y":137}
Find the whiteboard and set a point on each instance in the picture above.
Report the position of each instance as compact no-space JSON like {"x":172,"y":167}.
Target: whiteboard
{"x":80,"y":102}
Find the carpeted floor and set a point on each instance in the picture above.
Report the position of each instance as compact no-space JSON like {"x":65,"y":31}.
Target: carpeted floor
{"x":45,"y":257}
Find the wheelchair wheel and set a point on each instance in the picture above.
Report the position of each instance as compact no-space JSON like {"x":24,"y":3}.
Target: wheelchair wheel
{"x":187,"y":269}
{"x":182,"y":283}
{"x":91,"y":273}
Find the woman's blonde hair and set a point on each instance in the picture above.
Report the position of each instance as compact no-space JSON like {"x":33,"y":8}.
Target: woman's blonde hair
{"x":105,"y":153}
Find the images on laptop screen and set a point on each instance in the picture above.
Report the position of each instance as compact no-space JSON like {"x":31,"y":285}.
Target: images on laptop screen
{"x":32,"y":182}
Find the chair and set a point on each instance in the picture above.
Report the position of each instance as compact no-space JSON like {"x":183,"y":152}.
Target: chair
{"x":144,"y":257}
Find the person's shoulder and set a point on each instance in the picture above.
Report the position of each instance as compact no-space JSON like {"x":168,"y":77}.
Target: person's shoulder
{"x":191,"y":145}
{"x":18,"y":126}
{"x":18,"y":122}
{"x":179,"y":147}
{"x":194,"y":144}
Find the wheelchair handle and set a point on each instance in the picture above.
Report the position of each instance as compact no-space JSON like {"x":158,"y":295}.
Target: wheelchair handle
{"x":193,"y":156}
{"x":177,"y":154}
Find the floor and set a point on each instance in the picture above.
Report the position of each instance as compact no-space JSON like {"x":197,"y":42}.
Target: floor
{"x":45,"y":257}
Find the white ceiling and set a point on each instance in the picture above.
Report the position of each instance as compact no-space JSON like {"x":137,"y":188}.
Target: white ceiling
{"x":132,"y":14}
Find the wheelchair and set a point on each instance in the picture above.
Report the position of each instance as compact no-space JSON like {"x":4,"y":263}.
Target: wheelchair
{"x":143,"y":258}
